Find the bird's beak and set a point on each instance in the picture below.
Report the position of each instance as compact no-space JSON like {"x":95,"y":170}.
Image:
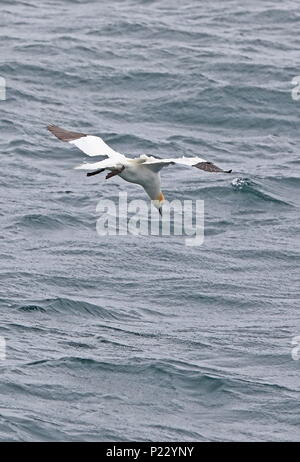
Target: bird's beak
{"x":160,"y":211}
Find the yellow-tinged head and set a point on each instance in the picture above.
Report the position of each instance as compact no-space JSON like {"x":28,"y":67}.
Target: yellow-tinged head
{"x":158,"y":202}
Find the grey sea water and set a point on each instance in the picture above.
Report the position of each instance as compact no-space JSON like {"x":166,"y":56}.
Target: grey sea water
{"x":143,"y":338}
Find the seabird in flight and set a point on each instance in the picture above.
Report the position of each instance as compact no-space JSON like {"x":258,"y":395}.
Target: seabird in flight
{"x":143,"y":170}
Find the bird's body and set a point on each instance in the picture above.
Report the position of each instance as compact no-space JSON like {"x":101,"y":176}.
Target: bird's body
{"x":143,"y":170}
{"x":136,"y":173}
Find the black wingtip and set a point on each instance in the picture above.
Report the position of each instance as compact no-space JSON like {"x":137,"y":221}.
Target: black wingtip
{"x":228,"y":171}
{"x":64,"y":135}
{"x":95,"y":172}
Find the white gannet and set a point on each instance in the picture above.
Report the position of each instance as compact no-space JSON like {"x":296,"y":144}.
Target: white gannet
{"x":143,"y":170}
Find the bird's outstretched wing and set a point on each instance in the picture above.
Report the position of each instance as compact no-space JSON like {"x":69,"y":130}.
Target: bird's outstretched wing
{"x":157,"y":164}
{"x":103,"y":164}
{"x":89,"y":144}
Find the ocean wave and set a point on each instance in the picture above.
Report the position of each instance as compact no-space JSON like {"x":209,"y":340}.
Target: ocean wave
{"x":258,"y":190}
{"x":67,"y":306}
{"x":194,"y":380}
{"x":49,"y":222}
